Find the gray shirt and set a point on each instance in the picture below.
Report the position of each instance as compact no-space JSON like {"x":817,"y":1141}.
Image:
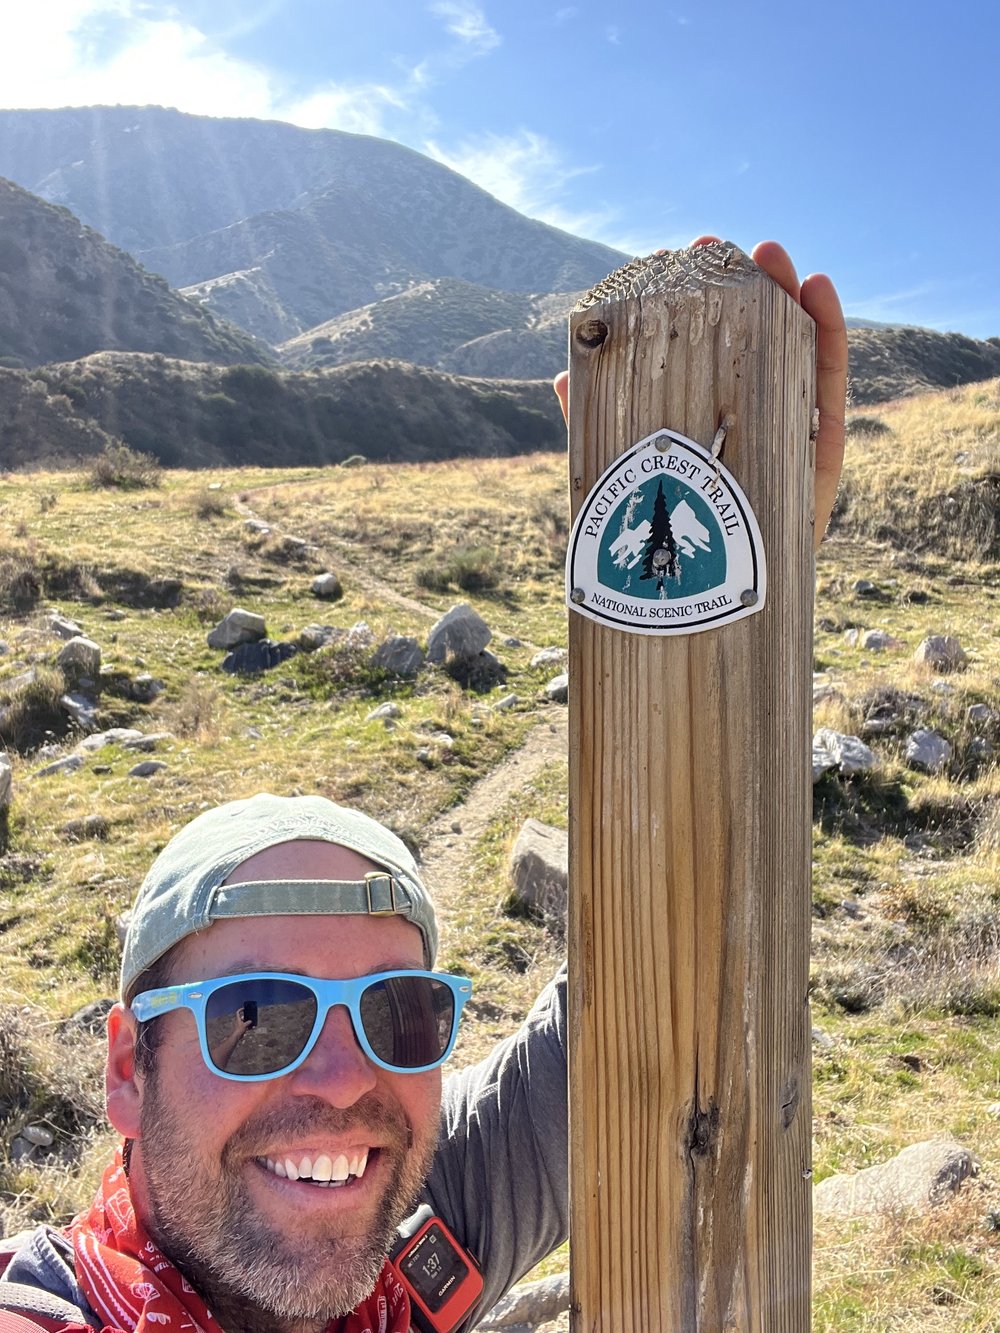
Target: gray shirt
{"x":499,"y":1179}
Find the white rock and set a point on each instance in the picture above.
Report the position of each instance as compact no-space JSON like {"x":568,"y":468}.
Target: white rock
{"x":63,"y":626}
{"x":399,"y":654}
{"x":461,"y":632}
{"x":6,"y":782}
{"x":849,"y":753}
{"x":80,"y":656}
{"x":978,"y":713}
{"x":386,"y":711}
{"x":239,"y":626}
{"x":39,"y":1135}
{"x":113,"y":736}
{"x":941,"y":652}
{"x":506,"y":703}
{"x":919,"y":1178}
{"x":539,"y":867}
{"x":82,"y":710}
{"x":328,"y":587}
{"x":68,"y":765}
{"x":928,"y":751}
{"x":550,"y":657}
{"x":558,"y":689}
{"x":877,"y":640}
{"x":360,"y":635}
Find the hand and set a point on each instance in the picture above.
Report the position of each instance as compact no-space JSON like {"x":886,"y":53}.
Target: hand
{"x":818,"y":298}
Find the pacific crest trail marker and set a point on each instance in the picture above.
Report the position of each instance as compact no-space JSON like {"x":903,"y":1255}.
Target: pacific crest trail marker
{"x":690,"y":583}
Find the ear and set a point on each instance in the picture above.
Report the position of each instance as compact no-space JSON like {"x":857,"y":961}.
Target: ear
{"x":122,"y":1086}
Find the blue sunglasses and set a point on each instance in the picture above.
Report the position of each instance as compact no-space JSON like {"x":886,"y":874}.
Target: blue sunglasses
{"x":261,"y":1025}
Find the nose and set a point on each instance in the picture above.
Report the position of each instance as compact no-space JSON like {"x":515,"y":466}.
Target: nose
{"x":336,"y":1068}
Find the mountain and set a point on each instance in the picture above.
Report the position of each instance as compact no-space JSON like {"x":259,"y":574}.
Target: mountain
{"x":65,"y":292}
{"x":896,"y":362}
{"x":301,"y":225}
{"x":201,"y":415}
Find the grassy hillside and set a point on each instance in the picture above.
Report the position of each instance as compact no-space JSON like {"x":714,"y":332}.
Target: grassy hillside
{"x":65,"y":292}
{"x":906,"y":892}
{"x":189,"y":415}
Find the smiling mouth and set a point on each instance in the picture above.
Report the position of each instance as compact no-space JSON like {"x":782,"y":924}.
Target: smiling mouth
{"x":324,"y":1171}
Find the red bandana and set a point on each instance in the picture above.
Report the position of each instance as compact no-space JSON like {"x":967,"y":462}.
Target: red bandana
{"x":135,"y":1288}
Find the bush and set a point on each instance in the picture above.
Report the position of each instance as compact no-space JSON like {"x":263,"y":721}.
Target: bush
{"x":119,"y":467}
{"x":210,"y":504}
{"x":471,"y":568}
{"x":869,"y":428}
{"x":31,"y":713}
{"x":20,"y":582}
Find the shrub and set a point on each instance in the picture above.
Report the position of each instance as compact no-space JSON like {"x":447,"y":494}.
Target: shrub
{"x":20,"y":581}
{"x":471,"y":568}
{"x":118,"y":466}
{"x":31,"y":714}
{"x":210,"y":504}
{"x":870,"y":428}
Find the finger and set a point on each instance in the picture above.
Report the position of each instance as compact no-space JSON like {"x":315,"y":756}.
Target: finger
{"x":820,"y":300}
{"x":561,"y":386}
{"x":703,"y":240}
{"x":774,"y":260}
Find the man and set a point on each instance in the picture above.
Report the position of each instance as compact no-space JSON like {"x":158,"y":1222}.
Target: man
{"x":274,"y":1069}
{"x":268,"y":1159}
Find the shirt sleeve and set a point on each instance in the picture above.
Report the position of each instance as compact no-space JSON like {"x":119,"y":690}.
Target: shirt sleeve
{"x":500,"y":1179}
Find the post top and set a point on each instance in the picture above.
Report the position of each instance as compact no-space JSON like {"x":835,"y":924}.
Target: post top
{"x":718,"y":264}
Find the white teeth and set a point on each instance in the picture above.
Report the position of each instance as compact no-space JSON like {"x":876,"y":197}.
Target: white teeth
{"x":291,"y":1170}
{"x":305,"y":1167}
{"x":341,"y":1170}
{"x":322,"y":1168}
{"x":359,"y":1169}
{"x":277,"y":1167}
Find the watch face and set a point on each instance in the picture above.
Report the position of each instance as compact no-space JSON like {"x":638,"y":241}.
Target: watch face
{"x":433,"y":1267}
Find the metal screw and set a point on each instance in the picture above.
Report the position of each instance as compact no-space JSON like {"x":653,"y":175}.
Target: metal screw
{"x":578,"y":596}
{"x":748,"y":597}
{"x":663,"y":443}
{"x":807,"y":1173}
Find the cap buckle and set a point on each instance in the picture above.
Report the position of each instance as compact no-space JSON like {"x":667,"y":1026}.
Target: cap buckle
{"x":379,"y":886}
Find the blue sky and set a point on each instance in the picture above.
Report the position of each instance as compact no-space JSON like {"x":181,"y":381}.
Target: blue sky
{"x":863,"y":135}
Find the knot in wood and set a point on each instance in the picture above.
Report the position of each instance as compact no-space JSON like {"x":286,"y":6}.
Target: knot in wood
{"x":703,"y":1130}
{"x":592,"y":333}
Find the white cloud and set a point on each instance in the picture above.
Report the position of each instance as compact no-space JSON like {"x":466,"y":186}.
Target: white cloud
{"x":468,"y":23}
{"x":565,"y":14}
{"x":613,"y":34}
{"x":525,"y":170}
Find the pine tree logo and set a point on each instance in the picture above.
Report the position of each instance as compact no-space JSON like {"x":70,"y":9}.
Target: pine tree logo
{"x":660,"y":560}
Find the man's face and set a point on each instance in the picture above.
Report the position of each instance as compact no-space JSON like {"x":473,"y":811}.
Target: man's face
{"x":215,"y":1161}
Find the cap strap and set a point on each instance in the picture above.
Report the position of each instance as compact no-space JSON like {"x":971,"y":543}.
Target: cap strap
{"x":378,"y":894}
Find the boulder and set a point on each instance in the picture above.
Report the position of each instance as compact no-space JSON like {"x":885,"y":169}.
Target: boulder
{"x":250,"y":659}
{"x":558,"y":689}
{"x":90,"y":826}
{"x":239,"y":626}
{"x":849,"y":753}
{"x":360,"y":635}
{"x":314,"y":637}
{"x":80,"y":657}
{"x":145,"y":688}
{"x":941,"y":652}
{"x":147,"y":742}
{"x":877,"y":640}
{"x":62,"y":626}
{"x":977,"y":714}
{"x":257,"y":525}
{"x":864,"y":588}
{"x":552,"y":657}
{"x":822,"y":761}
{"x":919,"y":1178}
{"x":69,"y":764}
{"x":461,"y":632}
{"x":927,"y":751}
{"x":147,"y":768}
{"x":91,"y":1018}
{"x":399,"y":654}
{"x":6,"y":782}
{"x":328,"y":587}
{"x":505,"y":704}
{"x":82,"y":710}
{"x":539,"y":867}
{"x":113,"y":736}
{"x":386,"y":712}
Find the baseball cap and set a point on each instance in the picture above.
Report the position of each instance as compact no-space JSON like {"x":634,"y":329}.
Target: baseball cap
{"x":184,"y":891}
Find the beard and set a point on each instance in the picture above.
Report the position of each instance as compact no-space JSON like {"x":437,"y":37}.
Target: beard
{"x":253,"y":1276}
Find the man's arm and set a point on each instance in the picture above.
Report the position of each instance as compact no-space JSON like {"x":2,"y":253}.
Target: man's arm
{"x":500,"y":1179}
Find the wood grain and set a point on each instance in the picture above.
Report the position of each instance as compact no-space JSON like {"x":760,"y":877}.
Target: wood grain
{"x":690,"y":851}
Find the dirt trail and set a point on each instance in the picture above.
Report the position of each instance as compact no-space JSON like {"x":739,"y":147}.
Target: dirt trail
{"x":452,"y":836}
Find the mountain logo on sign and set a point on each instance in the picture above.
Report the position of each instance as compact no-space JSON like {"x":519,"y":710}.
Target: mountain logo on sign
{"x":662,"y":543}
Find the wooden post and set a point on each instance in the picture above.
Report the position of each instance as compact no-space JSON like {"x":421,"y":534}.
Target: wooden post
{"x":690,"y":798}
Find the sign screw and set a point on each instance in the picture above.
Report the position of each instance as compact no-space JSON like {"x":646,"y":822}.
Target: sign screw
{"x":748,"y":597}
{"x":578,"y":596}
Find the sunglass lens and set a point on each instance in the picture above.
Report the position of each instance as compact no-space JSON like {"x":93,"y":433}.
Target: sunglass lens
{"x":258,"y":1026}
{"x":408,"y":1020}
